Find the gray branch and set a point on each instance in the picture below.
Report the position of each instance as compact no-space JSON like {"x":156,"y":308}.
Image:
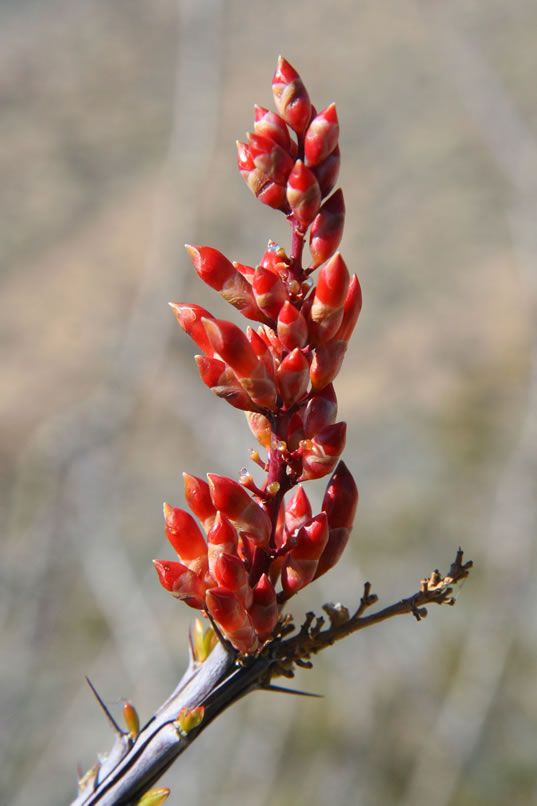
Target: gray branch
{"x":134,"y":765}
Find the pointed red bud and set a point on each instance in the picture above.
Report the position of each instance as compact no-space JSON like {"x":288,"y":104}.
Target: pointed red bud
{"x":292,"y":327}
{"x":224,"y":383}
{"x":332,"y":285}
{"x":351,"y":309}
{"x":185,"y":536}
{"x":297,"y":511}
{"x":327,"y":172}
{"x":222,"y":537}
{"x":337,"y":540}
{"x":293,"y":376}
{"x":190,"y":318}
{"x":275,"y":259}
{"x":270,"y":158}
{"x":291,"y":97}
{"x":320,"y":411}
{"x":341,"y":498}
{"x":269,"y":124}
{"x":322,"y":136}
{"x":181,"y":582}
{"x":327,"y":229}
{"x":326,"y":363}
{"x":245,"y":160}
{"x":303,"y":194}
{"x":323,"y":452}
{"x":301,"y":562}
{"x":198,"y":498}
{"x":231,"y":574}
{"x":271,"y":340}
{"x":269,"y":292}
{"x":262,"y":350}
{"x":211,"y":265}
{"x":263,"y":188}
{"x":218,"y":272}
{"x":326,"y":313}
{"x":234,"y":348}
{"x":232,"y":618}
{"x":264,"y":612}
{"x":246,"y":271}
{"x":236,"y":504}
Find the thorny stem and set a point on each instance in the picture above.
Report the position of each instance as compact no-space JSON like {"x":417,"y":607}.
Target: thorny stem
{"x":226,"y":677}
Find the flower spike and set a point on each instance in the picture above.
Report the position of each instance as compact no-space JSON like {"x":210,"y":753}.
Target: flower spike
{"x":262,"y":545}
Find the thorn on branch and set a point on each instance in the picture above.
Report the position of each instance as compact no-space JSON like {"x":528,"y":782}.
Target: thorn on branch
{"x":107,"y":713}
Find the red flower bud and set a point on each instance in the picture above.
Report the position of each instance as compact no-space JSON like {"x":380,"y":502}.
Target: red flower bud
{"x":198,"y":498}
{"x":326,"y":313}
{"x":269,"y":124}
{"x":246,"y":271}
{"x":260,"y":184}
{"x":190,"y":318}
{"x":327,"y":172}
{"x":211,"y":265}
{"x":264,"y":612}
{"x":293,"y":377}
{"x":326,"y":363}
{"x":297,"y":511}
{"x":271,"y":340}
{"x":236,"y":504}
{"x":223,"y":382}
{"x":351,"y":309}
{"x":231,"y":574}
{"x":269,"y":292}
{"x":270,"y":158}
{"x":301,"y":562}
{"x":185,"y":536}
{"x":320,"y":454}
{"x":320,"y":411}
{"x":232,"y":618}
{"x":322,"y":136}
{"x":337,"y":540}
{"x":291,"y":97}
{"x":181,"y":582}
{"x":303,"y":194}
{"x":292,"y":327}
{"x":327,"y":229}
{"x":261,"y":349}
{"x":218,"y":272}
{"x":222,"y":537}
{"x":233,"y":347}
{"x":275,"y":259}
{"x":341,"y":498}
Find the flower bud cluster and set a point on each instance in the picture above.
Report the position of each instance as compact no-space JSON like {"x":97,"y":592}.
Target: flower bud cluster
{"x":255,"y":548}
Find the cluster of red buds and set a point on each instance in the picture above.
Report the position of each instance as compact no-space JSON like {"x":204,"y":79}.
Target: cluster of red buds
{"x":258,"y":549}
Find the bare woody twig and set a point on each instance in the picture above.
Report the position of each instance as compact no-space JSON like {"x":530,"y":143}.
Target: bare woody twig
{"x":209,"y":687}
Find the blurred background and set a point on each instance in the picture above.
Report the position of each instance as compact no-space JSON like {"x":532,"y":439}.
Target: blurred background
{"x":117,"y":146}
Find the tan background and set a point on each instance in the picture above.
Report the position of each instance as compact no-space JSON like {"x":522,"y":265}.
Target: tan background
{"x":118,"y":122}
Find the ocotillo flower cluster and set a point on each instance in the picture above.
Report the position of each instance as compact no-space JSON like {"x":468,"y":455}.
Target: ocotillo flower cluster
{"x":253,"y":549}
